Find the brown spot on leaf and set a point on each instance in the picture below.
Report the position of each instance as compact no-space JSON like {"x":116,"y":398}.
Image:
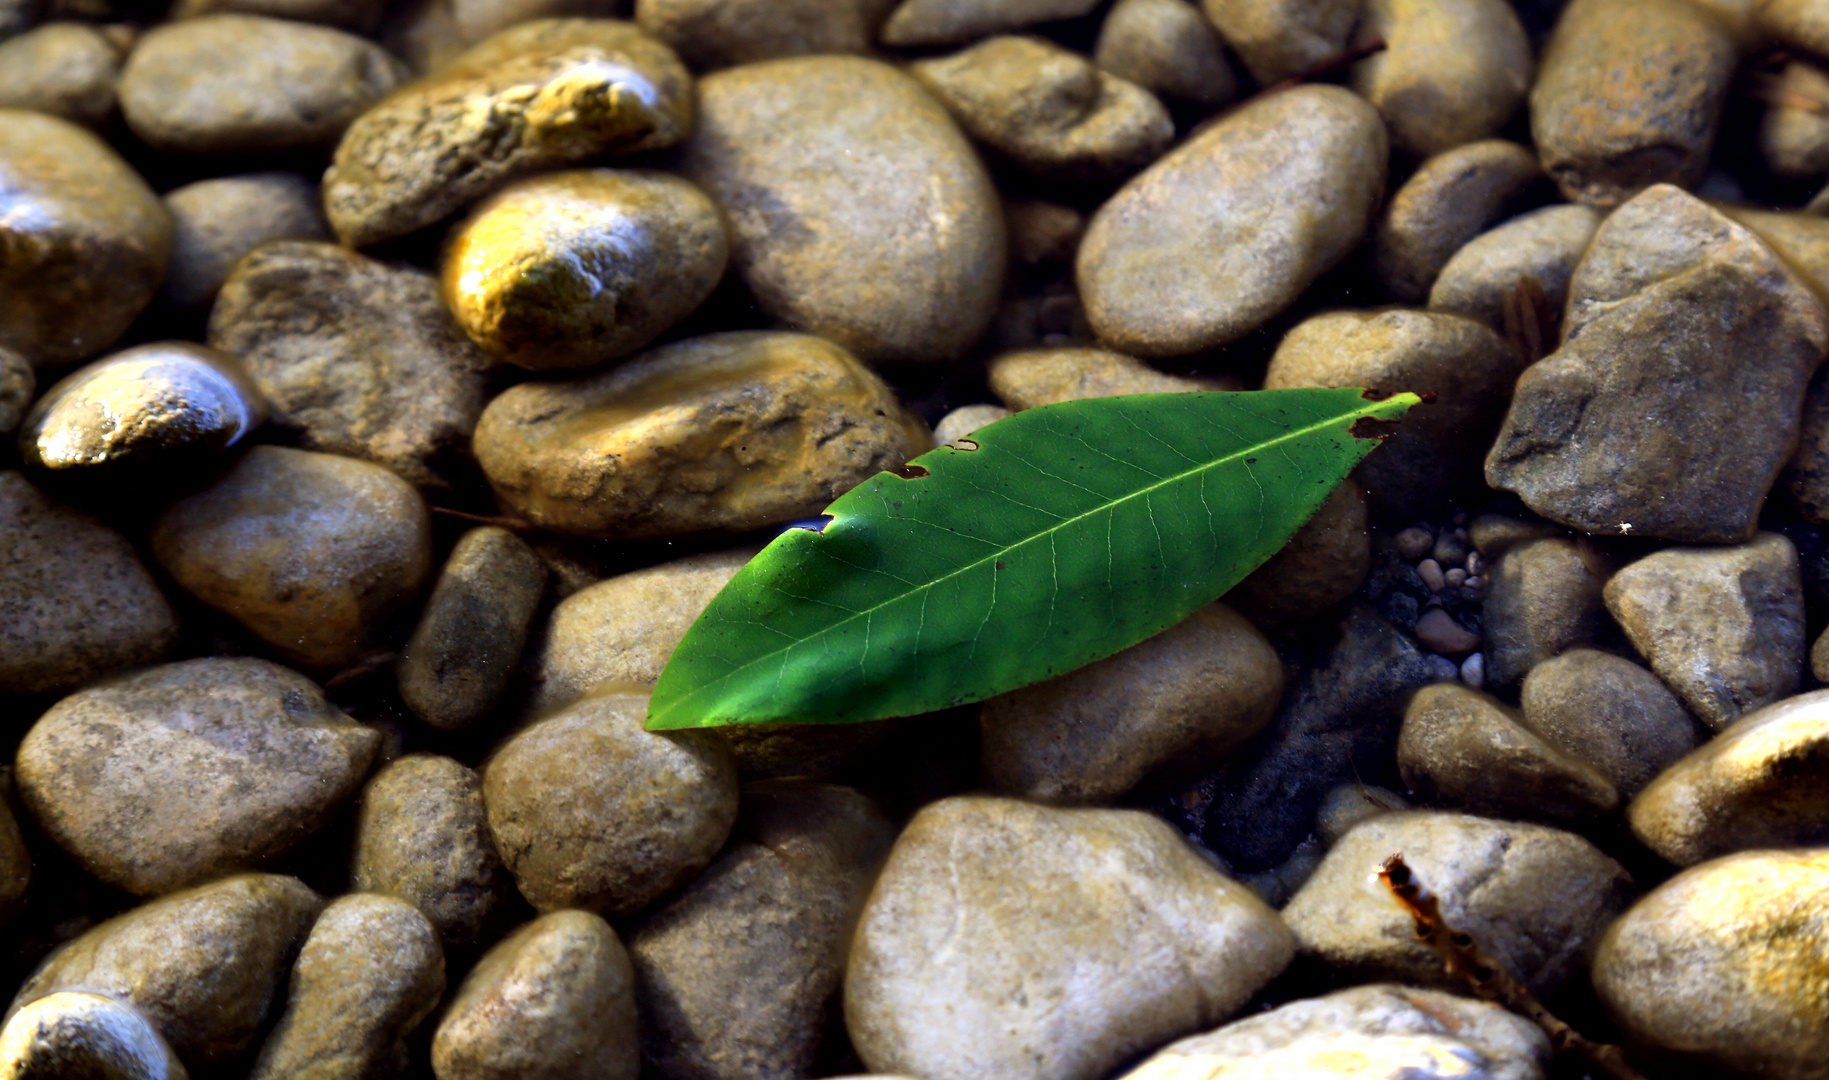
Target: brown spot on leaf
{"x":1370,"y":427}
{"x":912,"y":472}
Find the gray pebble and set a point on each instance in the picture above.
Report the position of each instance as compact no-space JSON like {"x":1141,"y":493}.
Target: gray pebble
{"x":67,"y":69}
{"x":1543,"y":245}
{"x":1446,"y":203}
{"x":467,"y":645}
{"x":1544,"y":597}
{"x":1610,"y":713}
{"x":956,"y":22}
{"x":712,"y":34}
{"x":1169,"y":48}
{"x":218,"y":221}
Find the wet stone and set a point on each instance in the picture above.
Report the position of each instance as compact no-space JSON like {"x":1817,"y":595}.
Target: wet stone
{"x":544,"y":94}
{"x":1610,"y":714}
{"x":313,"y":553}
{"x":1544,"y":597}
{"x":815,"y":160}
{"x":245,"y":84}
{"x":468,"y":643}
{"x":1169,"y":48}
{"x":1224,"y":232}
{"x":955,"y":22}
{"x":217,"y":221}
{"x":1451,"y":197}
{"x":356,"y":357}
{"x":76,"y":603}
{"x":722,"y":433}
{"x":577,"y":268}
{"x":553,"y":1000}
{"x":18,"y":386}
{"x":149,"y":404}
{"x":205,"y":965}
{"x":67,"y":69}
{"x":86,"y":240}
{"x":1031,"y":377}
{"x":712,"y":34}
{"x":79,"y":1034}
{"x":1280,"y":38}
{"x":1452,"y":71}
{"x":1543,"y":245}
{"x":1049,"y":110}
{"x":1324,"y":563}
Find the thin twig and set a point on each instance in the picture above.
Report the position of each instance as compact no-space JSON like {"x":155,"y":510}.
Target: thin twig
{"x":368,"y":665}
{"x":1530,"y":325}
{"x":1487,"y":978}
{"x":515,"y":524}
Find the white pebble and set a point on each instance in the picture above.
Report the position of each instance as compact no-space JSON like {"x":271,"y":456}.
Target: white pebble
{"x":1473,"y":670}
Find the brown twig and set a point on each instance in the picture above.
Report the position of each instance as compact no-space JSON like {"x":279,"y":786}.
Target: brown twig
{"x":368,"y":665}
{"x":1530,"y":325}
{"x":1771,"y":89}
{"x":514,"y":524}
{"x":1327,"y":67}
{"x":1487,"y":978}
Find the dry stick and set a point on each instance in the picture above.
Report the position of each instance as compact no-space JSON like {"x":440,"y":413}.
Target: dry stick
{"x":1530,"y":325}
{"x":368,"y":665}
{"x":515,"y":524}
{"x":1465,"y":960}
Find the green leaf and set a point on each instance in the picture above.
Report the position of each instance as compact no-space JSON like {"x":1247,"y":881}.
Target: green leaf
{"x":1073,"y":531}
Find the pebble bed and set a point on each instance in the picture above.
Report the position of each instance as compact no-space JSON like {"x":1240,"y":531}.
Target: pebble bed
{"x":386,"y":387}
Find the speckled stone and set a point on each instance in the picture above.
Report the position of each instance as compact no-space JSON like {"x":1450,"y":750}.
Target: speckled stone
{"x":77,"y":1034}
{"x":1324,"y":563}
{"x":217,"y":221}
{"x":467,"y":645}
{"x":1169,"y":48}
{"x":721,"y":433}
{"x":712,"y":34}
{"x":67,"y":69}
{"x":313,"y":553}
{"x":205,"y":965}
{"x":1452,"y":71}
{"x":576,"y":268}
{"x":76,"y":603}
{"x":1280,"y":38}
{"x":246,"y":84}
{"x":1224,"y":232}
{"x":357,"y":357}
{"x":1610,"y":713}
{"x":543,"y":94}
{"x":916,"y":23}
{"x":1445,"y":204}
{"x":18,"y":385}
{"x":86,"y":240}
{"x":1543,"y":244}
{"x":815,"y":160}
{"x":1030,"y":377}
{"x":590,"y":810}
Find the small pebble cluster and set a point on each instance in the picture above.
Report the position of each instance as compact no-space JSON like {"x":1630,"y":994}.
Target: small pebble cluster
{"x":386,"y":387}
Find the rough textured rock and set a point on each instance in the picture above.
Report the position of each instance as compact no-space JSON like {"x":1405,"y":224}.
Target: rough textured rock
{"x":734,"y":976}
{"x":78,"y":1034}
{"x":471,"y":632}
{"x":1049,"y":110}
{"x":1669,"y":409}
{"x":67,"y":69}
{"x":1543,"y":245}
{"x":1609,"y":713}
{"x":1537,"y":899}
{"x":1092,"y":934}
{"x":1453,"y":71}
{"x":313,"y":553}
{"x":1280,"y":38}
{"x":86,"y":240}
{"x":204,"y":965}
{"x":1543,"y":597}
{"x":1721,"y":967}
{"x":422,"y":837}
{"x":1628,"y":94}
{"x":246,"y":84}
{"x":1434,"y":455}
{"x":1722,"y":626}
{"x":357,"y":357}
{"x":1031,"y":377}
{"x":185,"y":772}
{"x":955,"y":22}
{"x":721,"y":433}
{"x":218,"y":221}
{"x":1176,"y":703}
{"x":551,"y":789}
{"x":18,"y":385}
{"x":1226,"y":230}
{"x":544,"y":94}
{"x":1462,"y":749}
{"x":712,"y":34}
{"x":576,"y":268}
{"x":1168,"y":48}
{"x":815,"y":160}
{"x":1378,"y":1032}
{"x":76,"y":603}
{"x":149,"y":404}
{"x":1324,"y":563}
{"x":368,"y":975}
{"x":1445,"y":204}
{"x":555,"y":1000}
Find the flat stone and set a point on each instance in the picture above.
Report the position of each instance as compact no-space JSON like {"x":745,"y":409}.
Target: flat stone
{"x":219,"y":220}
{"x":1463,"y":749}
{"x":1609,"y":713}
{"x":156,"y":403}
{"x":1543,"y":597}
{"x":1722,"y":626}
{"x":1543,"y":245}
{"x":954,"y":22}
{"x":78,"y":1034}
{"x":815,"y":160}
{"x":1670,"y":407}
{"x":467,"y":646}
{"x":357,"y":357}
{"x":1030,"y":377}
{"x":590,"y":810}
{"x":422,"y":836}
{"x":1536,"y":899}
{"x":356,"y":540}
{"x":205,"y":965}
{"x":1168,"y":48}
{"x":1451,"y":72}
{"x":554,"y":1000}
{"x":86,"y":240}
{"x":577,"y":268}
{"x":1446,"y":203}
{"x":1278,"y":39}
{"x":1093,"y":935}
{"x":246,"y":84}
{"x":185,"y":772}
{"x":67,"y":69}
{"x":367,"y":976}
{"x":1226,"y":230}
{"x":1176,"y":704}
{"x":712,"y":34}
{"x":1721,"y":967}
{"x":1049,"y":110}
{"x":1378,"y":1032}
{"x":18,"y":386}
{"x":735,"y":976}
{"x":1434,"y":456}
{"x":541,"y":95}
{"x":1628,"y":94}
{"x":722,"y":433}
{"x":1324,"y":563}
